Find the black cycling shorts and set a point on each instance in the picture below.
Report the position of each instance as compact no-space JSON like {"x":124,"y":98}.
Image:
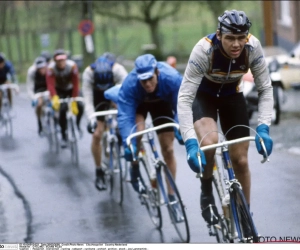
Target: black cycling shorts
{"x":157,"y":109}
{"x":100,"y":103}
{"x":232,"y":111}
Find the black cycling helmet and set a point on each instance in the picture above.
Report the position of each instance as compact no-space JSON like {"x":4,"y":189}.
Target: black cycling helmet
{"x":40,"y":62}
{"x":234,"y":21}
{"x":59,"y":54}
{"x":46,"y":54}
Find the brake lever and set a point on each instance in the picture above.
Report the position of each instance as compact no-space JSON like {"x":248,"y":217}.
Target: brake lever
{"x":199,"y":175}
{"x":266,"y":158}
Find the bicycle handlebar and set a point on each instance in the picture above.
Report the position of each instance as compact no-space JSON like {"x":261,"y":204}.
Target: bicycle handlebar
{"x":104,"y":113}
{"x":145,"y":131}
{"x":243,"y":139}
{"x":13,"y":86}
{"x":70,"y":99}
{"x":41,"y":94}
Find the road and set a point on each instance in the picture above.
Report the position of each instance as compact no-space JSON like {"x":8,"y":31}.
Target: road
{"x":43,"y":198}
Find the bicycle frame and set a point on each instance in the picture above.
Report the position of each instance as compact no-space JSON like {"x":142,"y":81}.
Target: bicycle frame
{"x":229,"y":180}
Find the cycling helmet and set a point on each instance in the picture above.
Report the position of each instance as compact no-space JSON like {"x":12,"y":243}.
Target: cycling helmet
{"x":234,"y":21}
{"x":109,"y":56}
{"x":46,"y":55}
{"x":60,"y":54}
{"x":40,"y":62}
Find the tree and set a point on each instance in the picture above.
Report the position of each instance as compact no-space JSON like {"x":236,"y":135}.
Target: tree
{"x":150,"y":13}
{"x":217,"y":7}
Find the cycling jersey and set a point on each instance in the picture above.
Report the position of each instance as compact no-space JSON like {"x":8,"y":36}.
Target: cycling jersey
{"x":7,"y":73}
{"x":210,"y":70}
{"x":88,"y":90}
{"x":35,"y":81}
{"x":132,"y":94}
{"x":64,"y":80}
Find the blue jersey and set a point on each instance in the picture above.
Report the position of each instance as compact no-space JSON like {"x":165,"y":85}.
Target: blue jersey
{"x":132,"y":94}
{"x":7,"y":72}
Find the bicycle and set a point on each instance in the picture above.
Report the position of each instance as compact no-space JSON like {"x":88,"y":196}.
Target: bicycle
{"x":72,"y":136}
{"x":6,"y":111}
{"x":231,"y":197}
{"x":154,"y":185}
{"x":49,"y":122}
{"x":111,"y":150}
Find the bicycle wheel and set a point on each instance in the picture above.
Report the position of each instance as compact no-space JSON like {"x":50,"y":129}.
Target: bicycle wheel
{"x":8,"y":127}
{"x":220,"y":230}
{"x":244,"y":223}
{"x":116,"y":184}
{"x":176,"y":209}
{"x":73,"y":143}
{"x":151,"y":198}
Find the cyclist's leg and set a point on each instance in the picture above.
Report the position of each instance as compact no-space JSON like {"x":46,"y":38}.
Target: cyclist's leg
{"x":134,"y":170}
{"x":38,"y":112}
{"x":9,"y":94}
{"x":63,"y":114}
{"x":234,"y":112}
{"x":205,"y":121}
{"x":80,"y":113}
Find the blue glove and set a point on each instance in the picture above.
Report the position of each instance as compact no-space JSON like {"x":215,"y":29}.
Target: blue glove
{"x":178,"y":136}
{"x":263,"y":131}
{"x":33,"y":103}
{"x":128,"y":153}
{"x":192,"y":148}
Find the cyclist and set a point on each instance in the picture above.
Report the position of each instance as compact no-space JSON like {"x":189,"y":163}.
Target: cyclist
{"x":213,"y":82}
{"x":101,"y":75}
{"x":36,"y":82}
{"x":63,"y":81}
{"x":7,"y":75}
{"x":151,"y":87}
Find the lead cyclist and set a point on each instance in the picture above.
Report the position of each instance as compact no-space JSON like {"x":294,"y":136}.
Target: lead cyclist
{"x":213,"y":83}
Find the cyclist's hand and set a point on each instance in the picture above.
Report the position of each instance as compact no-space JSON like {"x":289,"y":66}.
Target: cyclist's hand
{"x":92,"y":125}
{"x":128,"y":153}
{"x":33,"y":103}
{"x":178,"y":136}
{"x":192,"y":148}
{"x":55,"y":102}
{"x":74,"y":108}
{"x":263,"y":131}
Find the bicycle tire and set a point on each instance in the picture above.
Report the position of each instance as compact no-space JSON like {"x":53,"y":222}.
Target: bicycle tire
{"x":9,"y":127}
{"x":182,"y":231}
{"x":243,"y":215}
{"x":116,"y":185}
{"x":151,"y":198}
{"x":73,"y":143}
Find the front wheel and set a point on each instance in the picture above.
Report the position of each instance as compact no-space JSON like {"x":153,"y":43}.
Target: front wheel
{"x":176,"y":209}
{"x":243,"y":219}
{"x":73,"y":143}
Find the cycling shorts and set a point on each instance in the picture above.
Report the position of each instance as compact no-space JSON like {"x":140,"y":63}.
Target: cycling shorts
{"x":100,"y":103}
{"x":157,"y":109}
{"x":232,"y":111}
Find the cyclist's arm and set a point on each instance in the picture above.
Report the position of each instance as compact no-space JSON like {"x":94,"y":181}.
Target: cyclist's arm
{"x":50,"y":80}
{"x":119,"y":73}
{"x":87,"y":91}
{"x":75,"y":80}
{"x":127,"y":105}
{"x":30,"y":82}
{"x":263,"y":83}
{"x":196,"y":67}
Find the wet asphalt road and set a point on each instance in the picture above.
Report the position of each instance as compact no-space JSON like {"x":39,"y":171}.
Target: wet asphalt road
{"x":44,"y":198}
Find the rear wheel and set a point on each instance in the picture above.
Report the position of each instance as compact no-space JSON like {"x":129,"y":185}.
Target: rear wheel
{"x":244,"y":223}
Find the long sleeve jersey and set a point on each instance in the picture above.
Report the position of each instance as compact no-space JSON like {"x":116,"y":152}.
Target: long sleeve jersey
{"x":210,"y":70}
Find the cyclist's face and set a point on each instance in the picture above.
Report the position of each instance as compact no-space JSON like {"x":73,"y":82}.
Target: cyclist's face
{"x":42,"y":71}
{"x":150,"y":84}
{"x":60,"y":64}
{"x":233,"y":44}
{"x":2,"y":65}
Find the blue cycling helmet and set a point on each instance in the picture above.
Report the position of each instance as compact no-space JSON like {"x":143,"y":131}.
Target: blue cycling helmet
{"x":234,"y":21}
